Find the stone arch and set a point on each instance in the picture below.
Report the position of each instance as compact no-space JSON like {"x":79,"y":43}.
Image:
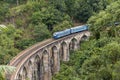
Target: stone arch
{"x":64,"y":52}
{"x":55,"y":62}
{"x":46,"y":70}
{"x":73,"y":44}
{"x":24,"y":73}
{"x":82,"y":39}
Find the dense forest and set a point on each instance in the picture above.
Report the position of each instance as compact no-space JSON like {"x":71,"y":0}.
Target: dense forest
{"x":26,"y":22}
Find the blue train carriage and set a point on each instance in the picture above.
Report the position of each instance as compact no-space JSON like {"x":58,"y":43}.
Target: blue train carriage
{"x":60,"y":34}
{"x":79,"y":28}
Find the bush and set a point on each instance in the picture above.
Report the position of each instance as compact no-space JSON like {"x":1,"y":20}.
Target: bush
{"x":24,"y":43}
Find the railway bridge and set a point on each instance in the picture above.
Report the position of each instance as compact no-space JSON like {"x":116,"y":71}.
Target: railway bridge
{"x":42,"y":60}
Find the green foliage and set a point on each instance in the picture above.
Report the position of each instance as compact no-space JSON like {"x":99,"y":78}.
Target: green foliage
{"x":87,"y":8}
{"x":4,"y":69}
{"x":84,"y":11}
{"x":116,"y":75}
{"x":113,"y":53}
{"x":97,"y":59}
{"x":19,"y":22}
{"x":71,"y":6}
{"x":79,"y":9}
{"x":59,"y":4}
{"x":24,"y":43}
{"x":41,"y":32}
{"x":102,"y":42}
{"x":7,"y":44}
{"x":49,"y":16}
{"x":62,"y":26}
{"x":105,"y":20}
{"x":104,"y":73}
{"x":3,"y":10}
{"x":38,"y":33}
{"x":91,"y":65}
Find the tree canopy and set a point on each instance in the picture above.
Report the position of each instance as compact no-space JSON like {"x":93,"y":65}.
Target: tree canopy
{"x":29,"y":21}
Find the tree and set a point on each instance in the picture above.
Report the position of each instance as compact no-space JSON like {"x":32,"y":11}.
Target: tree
{"x":17,"y":2}
{"x":62,"y":26}
{"x":71,"y":6}
{"x":4,"y":69}
{"x":105,"y":20}
{"x":58,"y":4}
{"x":49,"y":16}
{"x":41,"y":32}
{"x":8,"y":36}
{"x":3,"y":10}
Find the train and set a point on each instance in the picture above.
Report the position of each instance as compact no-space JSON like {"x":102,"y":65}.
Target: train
{"x":69,"y":31}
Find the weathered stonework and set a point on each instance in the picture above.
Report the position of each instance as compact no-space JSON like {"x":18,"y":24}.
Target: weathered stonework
{"x":40,"y":62}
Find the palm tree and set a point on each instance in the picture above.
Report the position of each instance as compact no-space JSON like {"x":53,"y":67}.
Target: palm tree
{"x":5,"y":69}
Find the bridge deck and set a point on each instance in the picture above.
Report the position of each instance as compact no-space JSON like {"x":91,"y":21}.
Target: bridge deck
{"x":22,"y":55}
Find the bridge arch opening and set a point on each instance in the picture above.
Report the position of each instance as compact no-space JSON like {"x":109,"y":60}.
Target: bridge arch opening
{"x":55,"y":62}
{"x":29,"y":67}
{"x":64,"y":52}
{"x":73,"y":44}
{"x":82,"y":39}
{"x":24,"y":74}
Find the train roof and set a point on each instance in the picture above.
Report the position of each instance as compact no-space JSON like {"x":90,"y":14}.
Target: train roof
{"x":78,"y":26}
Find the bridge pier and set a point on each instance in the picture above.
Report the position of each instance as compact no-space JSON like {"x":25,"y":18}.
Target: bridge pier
{"x":46,"y":66}
{"x":65,"y":51}
{"x":56,"y":60}
{"x":30,"y":70}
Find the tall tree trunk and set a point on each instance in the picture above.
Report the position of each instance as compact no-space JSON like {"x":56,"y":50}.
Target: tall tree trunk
{"x":17,"y":2}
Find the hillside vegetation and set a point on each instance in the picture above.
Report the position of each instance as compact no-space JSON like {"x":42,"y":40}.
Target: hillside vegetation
{"x":98,"y":58}
{"x":31,"y":21}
